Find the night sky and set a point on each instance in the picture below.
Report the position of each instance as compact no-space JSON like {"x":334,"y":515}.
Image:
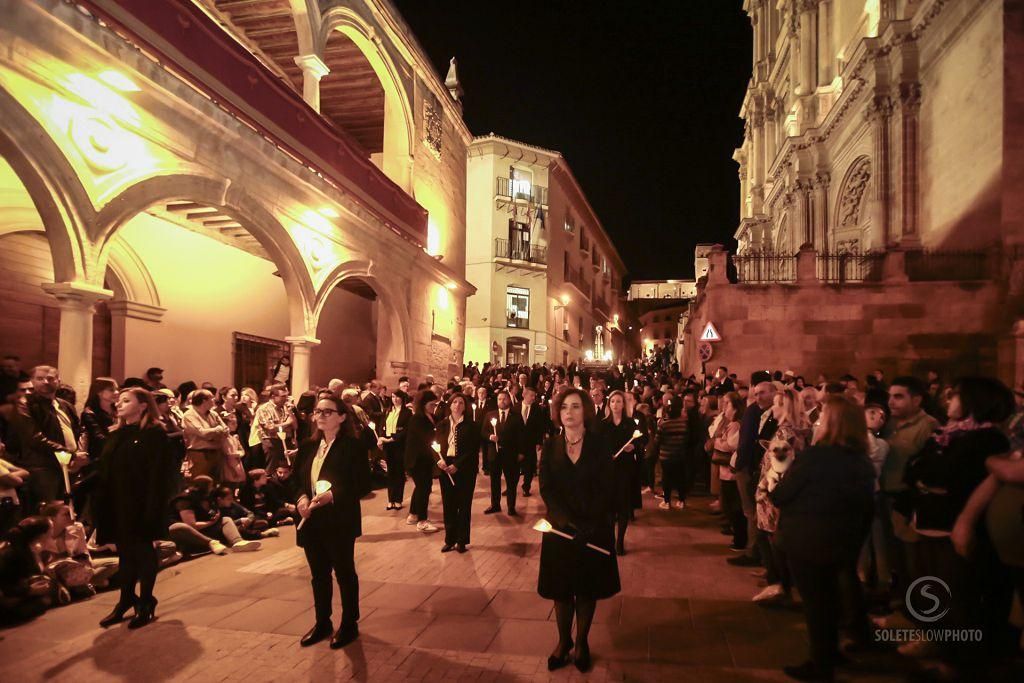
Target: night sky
{"x":641,"y":98}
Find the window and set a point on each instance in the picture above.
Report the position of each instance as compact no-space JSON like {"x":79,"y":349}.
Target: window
{"x":569,"y":226}
{"x":518,"y":307}
{"x":518,"y":240}
{"x":521,"y":183}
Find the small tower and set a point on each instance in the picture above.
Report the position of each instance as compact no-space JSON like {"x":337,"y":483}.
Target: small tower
{"x":451,"y":81}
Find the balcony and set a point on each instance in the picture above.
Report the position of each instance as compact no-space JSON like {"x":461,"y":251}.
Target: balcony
{"x":574,"y":277}
{"x":520,"y":251}
{"x":534,"y":194}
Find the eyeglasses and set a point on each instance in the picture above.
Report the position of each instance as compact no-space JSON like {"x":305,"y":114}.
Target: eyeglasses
{"x":326,"y":412}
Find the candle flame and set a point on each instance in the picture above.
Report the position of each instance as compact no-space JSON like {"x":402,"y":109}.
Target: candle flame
{"x":637,"y":434}
{"x":322,"y":486}
{"x":63,"y":457}
{"x":436,"y":446}
{"x":543,"y":526}
{"x":372,"y":426}
{"x":494,"y":421}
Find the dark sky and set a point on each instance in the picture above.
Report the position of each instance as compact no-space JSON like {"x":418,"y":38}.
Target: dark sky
{"x":642,"y":98}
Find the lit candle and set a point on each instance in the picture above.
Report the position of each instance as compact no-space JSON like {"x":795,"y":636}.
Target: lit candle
{"x":545,"y":527}
{"x":64,"y":458}
{"x":441,"y":464}
{"x":636,"y":435}
{"x":321,"y":486}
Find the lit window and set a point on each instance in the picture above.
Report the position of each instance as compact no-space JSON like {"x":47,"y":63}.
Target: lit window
{"x":521,"y":182}
{"x":518,"y":307}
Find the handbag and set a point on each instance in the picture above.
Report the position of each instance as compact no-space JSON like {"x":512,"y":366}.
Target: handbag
{"x":721,"y":458}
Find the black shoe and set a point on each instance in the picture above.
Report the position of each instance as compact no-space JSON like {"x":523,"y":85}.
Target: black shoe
{"x":808,"y":671}
{"x":117,"y":615}
{"x":744,"y":561}
{"x":558,"y":661}
{"x":461,"y":547}
{"x":582,"y":660}
{"x":316,"y":634}
{"x":145,"y":613}
{"x":491,"y":510}
{"x":346,"y":634}
{"x":447,"y":548}
{"x":513,"y":513}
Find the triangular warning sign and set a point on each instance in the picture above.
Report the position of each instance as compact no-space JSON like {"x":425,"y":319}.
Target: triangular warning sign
{"x":710,"y":334}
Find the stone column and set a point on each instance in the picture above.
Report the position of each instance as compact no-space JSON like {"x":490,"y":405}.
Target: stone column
{"x":821,"y":209}
{"x":301,"y":348}
{"x":905,"y":127}
{"x":808,"y":13}
{"x":74,"y":355}
{"x":792,"y":29}
{"x":878,"y":114}
{"x":826,"y":56}
{"x":313,"y":69}
{"x":770,"y":133}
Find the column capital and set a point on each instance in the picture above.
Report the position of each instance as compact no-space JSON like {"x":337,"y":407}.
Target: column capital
{"x":302,"y":341}
{"x":136,"y":310}
{"x":76,"y":294}
{"x":313,"y":65}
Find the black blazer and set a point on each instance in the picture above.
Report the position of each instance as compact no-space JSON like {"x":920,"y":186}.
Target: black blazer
{"x":534,"y":428}
{"x":347,"y":467}
{"x":509,"y":433}
{"x":38,"y":434}
{"x":404,"y":415}
{"x":478,"y":414}
{"x":579,"y":497}
{"x":467,"y":444}
{"x":826,"y":502}
{"x":419,"y":435}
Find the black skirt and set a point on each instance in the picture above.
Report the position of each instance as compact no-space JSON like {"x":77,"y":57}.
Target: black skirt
{"x":569,"y":571}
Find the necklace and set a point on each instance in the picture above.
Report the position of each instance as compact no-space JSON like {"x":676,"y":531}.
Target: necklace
{"x":573,"y":443}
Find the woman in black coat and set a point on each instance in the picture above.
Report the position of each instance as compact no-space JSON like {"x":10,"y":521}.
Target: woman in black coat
{"x":459,"y":441}
{"x":332,"y":519}
{"x":577,"y":483}
{"x":135,"y":485}
{"x":393,"y":445}
{"x":617,"y":429}
{"x":420,"y":459}
{"x":825,"y":507}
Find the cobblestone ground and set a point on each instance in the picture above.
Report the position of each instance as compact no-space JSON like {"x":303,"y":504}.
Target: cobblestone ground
{"x":683,"y":614}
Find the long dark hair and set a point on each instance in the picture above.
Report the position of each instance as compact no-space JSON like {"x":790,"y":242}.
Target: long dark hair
{"x":99,"y":384}
{"x":151,"y":417}
{"x":419,"y":404}
{"x":558,"y":400}
{"x":348,"y":426}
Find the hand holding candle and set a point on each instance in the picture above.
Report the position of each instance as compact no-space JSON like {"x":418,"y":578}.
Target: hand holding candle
{"x":636,"y":435}
{"x":545,"y":527}
{"x":321,"y":487}
{"x":441,"y":464}
{"x":64,"y":458}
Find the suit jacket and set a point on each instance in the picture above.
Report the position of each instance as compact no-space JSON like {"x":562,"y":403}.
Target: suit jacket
{"x":478,"y":414}
{"x":467,"y":444}
{"x":509,"y":433}
{"x":347,"y":467}
{"x":534,"y":428}
{"x":373,"y":406}
{"x":419,"y":435}
{"x":404,"y":416}
{"x":39,"y":434}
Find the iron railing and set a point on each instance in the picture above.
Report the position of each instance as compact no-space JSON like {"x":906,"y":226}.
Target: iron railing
{"x":933,"y":266}
{"x":520,"y":251}
{"x":538,"y":194}
{"x":764,"y":268}
{"x":849,"y":266}
{"x":577,"y":280}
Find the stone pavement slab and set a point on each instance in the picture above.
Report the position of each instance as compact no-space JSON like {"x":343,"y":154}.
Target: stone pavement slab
{"x":683,"y":613}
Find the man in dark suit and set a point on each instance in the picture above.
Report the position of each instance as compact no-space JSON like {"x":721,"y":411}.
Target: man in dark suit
{"x":501,"y":434}
{"x":50,"y":425}
{"x":757,"y":421}
{"x":373,"y":405}
{"x":535,"y":425}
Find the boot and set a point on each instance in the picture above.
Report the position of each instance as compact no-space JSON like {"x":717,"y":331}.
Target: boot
{"x":145,"y":612}
{"x":117,"y":615}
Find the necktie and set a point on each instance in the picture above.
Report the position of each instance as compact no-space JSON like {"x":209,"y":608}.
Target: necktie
{"x":501,"y":418}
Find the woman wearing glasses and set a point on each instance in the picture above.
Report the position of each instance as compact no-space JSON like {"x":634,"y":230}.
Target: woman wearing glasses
{"x":333,"y":473}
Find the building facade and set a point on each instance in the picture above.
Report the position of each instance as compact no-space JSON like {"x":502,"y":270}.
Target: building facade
{"x":881,"y":213}
{"x":294,"y":188}
{"x":548,"y":279}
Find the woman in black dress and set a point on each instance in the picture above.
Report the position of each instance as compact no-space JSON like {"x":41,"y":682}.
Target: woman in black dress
{"x":420,"y":459}
{"x":459,"y":439}
{"x":617,"y":429}
{"x":135,"y":479}
{"x":332,"y":518}
{"x":393,"y":445}
{"x":577,"y":483}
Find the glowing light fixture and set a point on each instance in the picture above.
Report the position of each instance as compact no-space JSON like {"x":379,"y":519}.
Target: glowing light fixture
{"x":452,"y":286}
{"x":328,"y":212}
{"x":589,"y":355}
{"x":565,"y":299}
{"x":607,"y":355}
{"x":118,"y":81}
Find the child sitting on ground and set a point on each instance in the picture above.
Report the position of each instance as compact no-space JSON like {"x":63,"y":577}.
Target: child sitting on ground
{"x":248,"y":525}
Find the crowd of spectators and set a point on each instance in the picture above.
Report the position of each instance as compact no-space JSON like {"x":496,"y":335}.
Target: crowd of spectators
{"x":841,"y":493}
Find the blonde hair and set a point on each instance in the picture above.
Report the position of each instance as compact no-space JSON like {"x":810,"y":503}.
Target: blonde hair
{"x":150,"y":416}
{"x":793,"y":412}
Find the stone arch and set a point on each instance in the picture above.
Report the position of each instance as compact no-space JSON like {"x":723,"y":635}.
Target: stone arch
{"x":782,"y":237}
{"x":233,"y":201}
{"x":51,"y":182}
{"x":851,"y":218}
{"x":133,"y":280}
{"x":399,"y":121}
{"x":396,"y":342}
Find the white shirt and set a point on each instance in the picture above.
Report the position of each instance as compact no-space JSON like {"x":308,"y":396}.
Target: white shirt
{"x":65,"y":427}
{"x":526,"y":412}
{"x":318,"y":463}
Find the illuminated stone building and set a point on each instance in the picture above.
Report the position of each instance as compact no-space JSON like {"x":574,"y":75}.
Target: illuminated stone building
{"x":880,"y":192}
{"x":208,"y":185}
{"x":548,"y":279}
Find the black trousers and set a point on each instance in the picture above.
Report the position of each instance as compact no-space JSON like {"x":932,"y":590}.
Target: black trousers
{"x":733,"y":510}
{"x":529,"y":467}
{"x":457,"y":501}
{"x":673,"y":477}
{"x":504,"y":463}
{"x":423,"y":481}
{"x":137,"y":562}
{"x":824,"y":589}
{"x":336,"y":554}
{"x":395,"y":458}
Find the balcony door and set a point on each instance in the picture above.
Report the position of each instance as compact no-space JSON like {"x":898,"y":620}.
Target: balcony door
{"x":518,"y":240}
{"x":517,"y":351}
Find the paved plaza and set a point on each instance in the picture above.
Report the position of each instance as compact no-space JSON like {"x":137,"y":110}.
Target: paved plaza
{"x":683,"y":614}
